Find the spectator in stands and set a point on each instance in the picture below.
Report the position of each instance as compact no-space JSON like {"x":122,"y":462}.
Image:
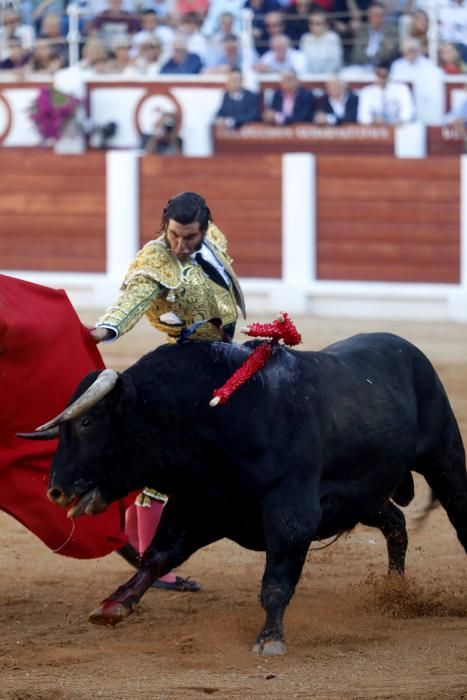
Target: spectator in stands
{"x":376,"y":40}
{"x":150,"y":57}
{"x":216,"y":9}
{"x":281,"y":57}
{"x":153,"y":27}
{"x":17,"y":58}
{"x":326,"y":5}
{"x":51,"y":31}
{"x":113,"y":22}
{"x":239,"y":106}
{"x":122,"y":63}
{"x":291,"y":103}
{"x":385,"y":101}
{"x":347,"y":19}
{"x":226,"y":24}
{"x":415,"y":26}
{"x":457,"y":117}
{"x":297,"y":19}
{"x":450,"y":60}
{"x":181,"y":61}
{"x":162,"y":8}
{"x":230,"y":58}
{"x":12,"y":29}
{"x":274,"y":25}
{"x":321,"y":46}
{"x":44,"y":8}
{"x":261,"y":9}
{"x":165,"y":139}
{"x":337,"y":106}
{"x":95,"y":57}
{"x":181,"y":7}
{"x":414,"y":64}
{"x":395,"y":9}
{"x":452,"y":19}
{"x":227,"y":58}
{"x":196,"y":42}
{"x":44,"y":58}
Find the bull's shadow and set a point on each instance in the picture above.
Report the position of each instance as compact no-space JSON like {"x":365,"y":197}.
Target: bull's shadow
{"x":313,"y":444}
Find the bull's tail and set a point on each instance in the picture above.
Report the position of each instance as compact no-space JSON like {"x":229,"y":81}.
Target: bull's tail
{"x":404,"y":495}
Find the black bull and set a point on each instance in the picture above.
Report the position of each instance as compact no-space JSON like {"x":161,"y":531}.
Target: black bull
{"x":313,"y":444}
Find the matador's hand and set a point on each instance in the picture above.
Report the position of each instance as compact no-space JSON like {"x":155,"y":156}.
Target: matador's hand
{"x":98,"y":334}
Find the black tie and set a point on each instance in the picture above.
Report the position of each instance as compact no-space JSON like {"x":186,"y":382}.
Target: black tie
{"x":211,"y":271}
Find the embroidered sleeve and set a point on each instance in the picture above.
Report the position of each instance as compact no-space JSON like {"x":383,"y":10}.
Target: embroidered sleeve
{"x":152,"y":272}
{"x":134,"y":301}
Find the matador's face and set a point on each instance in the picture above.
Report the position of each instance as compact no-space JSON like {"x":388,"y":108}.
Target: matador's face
{"x":183,"y":239}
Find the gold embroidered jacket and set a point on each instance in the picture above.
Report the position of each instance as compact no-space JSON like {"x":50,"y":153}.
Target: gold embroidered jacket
{"x":165,"y":289}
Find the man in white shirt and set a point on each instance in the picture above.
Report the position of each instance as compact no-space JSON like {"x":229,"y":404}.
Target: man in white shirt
{"x":413,"y":65}
{"x":385,"y":101}
{"x":281,"y":57}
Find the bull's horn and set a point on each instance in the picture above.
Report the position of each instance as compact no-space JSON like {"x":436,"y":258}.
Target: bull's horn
{"x":43,"y":435}
{"x":104,"y":384}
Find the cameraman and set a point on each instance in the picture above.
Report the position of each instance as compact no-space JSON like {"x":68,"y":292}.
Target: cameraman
{"x":164,"y":140}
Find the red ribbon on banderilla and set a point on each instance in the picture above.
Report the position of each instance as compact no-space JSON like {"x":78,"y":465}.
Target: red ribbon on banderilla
{"x":282,"y":328}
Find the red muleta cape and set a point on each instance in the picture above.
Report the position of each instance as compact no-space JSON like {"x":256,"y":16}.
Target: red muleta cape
{"x":44,"y":352}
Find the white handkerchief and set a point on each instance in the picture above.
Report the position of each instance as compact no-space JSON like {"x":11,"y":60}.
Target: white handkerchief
{"x":171,"y":319}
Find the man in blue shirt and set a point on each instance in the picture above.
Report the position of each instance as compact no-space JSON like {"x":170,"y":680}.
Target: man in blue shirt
{"x":181,"y":61}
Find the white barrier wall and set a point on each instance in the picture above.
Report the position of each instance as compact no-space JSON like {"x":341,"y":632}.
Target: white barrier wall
{"x":135,"y":104}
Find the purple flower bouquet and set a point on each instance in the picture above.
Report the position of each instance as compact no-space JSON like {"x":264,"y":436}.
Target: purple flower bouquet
{"x":51,"y":111}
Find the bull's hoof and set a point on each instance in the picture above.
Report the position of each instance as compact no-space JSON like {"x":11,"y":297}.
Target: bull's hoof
{"x":109,"y":612}
{"x":271,"y":647}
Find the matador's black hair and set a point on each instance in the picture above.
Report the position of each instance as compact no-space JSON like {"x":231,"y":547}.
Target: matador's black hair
{"x":186,"y":208}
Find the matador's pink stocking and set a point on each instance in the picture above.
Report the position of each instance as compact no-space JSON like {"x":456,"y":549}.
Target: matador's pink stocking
{"x":141,"y":523}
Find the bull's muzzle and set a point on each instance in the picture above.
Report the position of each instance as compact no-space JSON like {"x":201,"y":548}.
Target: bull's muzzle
{"x":88,"y":502}
{"x":57,"y":496}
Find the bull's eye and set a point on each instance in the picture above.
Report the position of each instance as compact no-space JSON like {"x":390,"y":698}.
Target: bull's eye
{"x":85,"y":423}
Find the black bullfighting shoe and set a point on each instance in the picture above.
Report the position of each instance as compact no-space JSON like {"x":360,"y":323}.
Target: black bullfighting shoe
{"x":182,"y":585}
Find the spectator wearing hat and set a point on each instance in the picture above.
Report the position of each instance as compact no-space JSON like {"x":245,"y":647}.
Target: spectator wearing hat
{"x":122,"y":62}
{"x":150,"y":57}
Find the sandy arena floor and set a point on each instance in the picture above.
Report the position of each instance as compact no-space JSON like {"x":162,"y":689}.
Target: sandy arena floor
{"x":350,"y":633}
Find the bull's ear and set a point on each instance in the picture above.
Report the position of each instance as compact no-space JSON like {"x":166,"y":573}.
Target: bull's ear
{"x":41,"y":435}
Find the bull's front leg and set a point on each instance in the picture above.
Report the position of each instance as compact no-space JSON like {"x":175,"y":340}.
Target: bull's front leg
{"x":181,"y":532}
{"x":288,"y":534}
